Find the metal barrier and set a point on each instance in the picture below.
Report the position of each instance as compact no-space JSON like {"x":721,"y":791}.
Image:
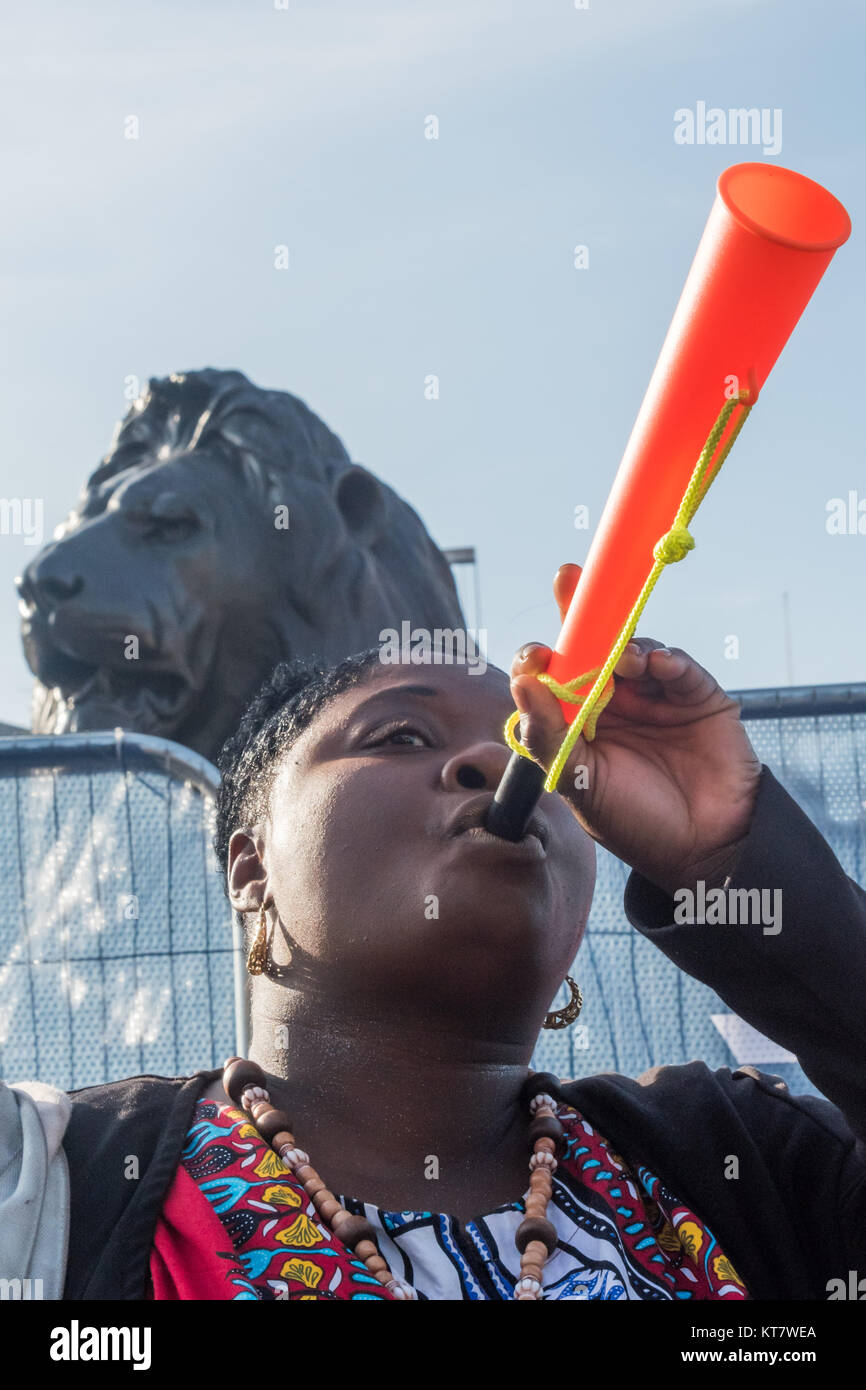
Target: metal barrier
{"x":119,"y":953}
{"x":118,"y":950}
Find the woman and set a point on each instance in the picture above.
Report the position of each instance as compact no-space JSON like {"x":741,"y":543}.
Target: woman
{"x":387,"y":1139}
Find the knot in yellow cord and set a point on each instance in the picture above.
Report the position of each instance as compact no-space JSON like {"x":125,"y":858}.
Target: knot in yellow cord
{"x":568,"y":692}
{"x":584,"y":723}
{"x":674,"y":545}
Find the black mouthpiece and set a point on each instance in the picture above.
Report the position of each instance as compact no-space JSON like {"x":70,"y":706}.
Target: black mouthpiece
{"x":516,"y":798}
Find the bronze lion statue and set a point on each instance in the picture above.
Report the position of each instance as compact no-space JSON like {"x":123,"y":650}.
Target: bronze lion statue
{"x":226,"y":529}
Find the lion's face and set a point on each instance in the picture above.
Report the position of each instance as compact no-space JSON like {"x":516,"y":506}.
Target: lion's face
{"x":160,"y":605}
{"x":185,"y":575}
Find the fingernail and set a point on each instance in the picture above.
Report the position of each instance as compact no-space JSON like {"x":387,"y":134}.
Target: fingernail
{"x":526,"y":649}
{"x":663,"y":651}
{"x":632,"y":648}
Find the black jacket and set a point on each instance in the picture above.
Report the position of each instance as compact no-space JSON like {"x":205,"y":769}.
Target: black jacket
{"x":793,"y":1219}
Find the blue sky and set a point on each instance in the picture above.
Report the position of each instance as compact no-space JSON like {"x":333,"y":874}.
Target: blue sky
{"x":411,"y":256}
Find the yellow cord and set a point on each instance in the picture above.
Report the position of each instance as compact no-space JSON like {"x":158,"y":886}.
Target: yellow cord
{"x":668,"y":550}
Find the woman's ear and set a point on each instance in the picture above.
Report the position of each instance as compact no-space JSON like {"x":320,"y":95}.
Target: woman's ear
{"x":361,"y":503}
{"x":246,"y":874}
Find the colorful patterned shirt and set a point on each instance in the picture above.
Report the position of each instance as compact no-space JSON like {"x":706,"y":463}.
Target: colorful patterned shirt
{"x":237,"y":1225}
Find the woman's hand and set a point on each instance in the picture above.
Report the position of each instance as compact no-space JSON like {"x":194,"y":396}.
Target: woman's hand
{"x":669,"y":782}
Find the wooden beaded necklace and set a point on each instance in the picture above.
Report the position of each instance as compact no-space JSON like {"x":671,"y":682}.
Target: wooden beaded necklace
{"x":246,"y":1085}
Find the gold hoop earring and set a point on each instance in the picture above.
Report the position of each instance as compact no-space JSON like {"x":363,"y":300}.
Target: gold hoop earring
{"x":561,"y":1018}
{"x":257,"y":958}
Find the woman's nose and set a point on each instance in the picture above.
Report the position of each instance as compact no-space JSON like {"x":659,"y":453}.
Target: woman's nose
{"x":477,"y":768}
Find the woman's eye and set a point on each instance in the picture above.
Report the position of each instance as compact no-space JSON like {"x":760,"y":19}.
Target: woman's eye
{"x":404,"y":734}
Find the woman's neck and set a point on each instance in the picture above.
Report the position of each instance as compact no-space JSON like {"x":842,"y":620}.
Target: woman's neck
{"x":401,"y":1115}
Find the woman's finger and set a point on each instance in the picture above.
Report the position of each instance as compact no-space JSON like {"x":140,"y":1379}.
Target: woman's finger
{"x":564,"y":584}
{"x":542,"y":727}
{"x":634,"y":661}
{"x":530,"y":660}
{"x":533,"y":657}
{"x":685,"y":682}
{"x":666,"y":673}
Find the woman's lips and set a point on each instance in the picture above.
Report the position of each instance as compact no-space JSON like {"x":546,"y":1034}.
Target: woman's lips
{"x":472,"y":815}
{"x":477,"y":839}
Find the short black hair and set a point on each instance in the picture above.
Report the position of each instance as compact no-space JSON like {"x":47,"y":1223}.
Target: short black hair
{"x":279,"y":713}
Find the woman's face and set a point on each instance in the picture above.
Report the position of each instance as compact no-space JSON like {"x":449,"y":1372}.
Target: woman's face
{"x":387,"y":896}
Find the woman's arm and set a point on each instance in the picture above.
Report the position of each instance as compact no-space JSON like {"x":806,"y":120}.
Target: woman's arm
{"x":672,"y":786}
{"x":795,"y":968}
